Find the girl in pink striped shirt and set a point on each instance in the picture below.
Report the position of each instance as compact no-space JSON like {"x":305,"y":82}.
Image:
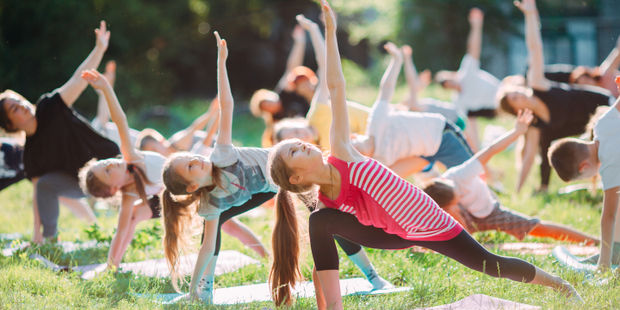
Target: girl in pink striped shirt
{"x":364,"y":202}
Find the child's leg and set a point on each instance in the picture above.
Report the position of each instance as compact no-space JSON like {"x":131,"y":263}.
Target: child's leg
{"x":140,"y":212}
{"x":49,"y":188}
{"x":237,"y":229}
{"x":454,"y":149}
{"x":407,"y":166}
{"x":360,"y":259}
{"x":561,"y":232}
{"x":79,"y":209}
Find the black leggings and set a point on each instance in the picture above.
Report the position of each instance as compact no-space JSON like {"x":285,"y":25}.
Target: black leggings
{"x":347,"y":246}
{"x":326,"y":223}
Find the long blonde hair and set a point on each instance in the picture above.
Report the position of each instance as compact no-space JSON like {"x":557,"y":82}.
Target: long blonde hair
{"x":285,"y":271}
{"x":178,"y":209}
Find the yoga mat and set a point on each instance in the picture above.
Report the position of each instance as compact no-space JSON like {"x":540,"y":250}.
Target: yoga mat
{"x":577,"y":187}
{"x":67,"y":246}
{"x":567,"y":259}
{"x":11,"y":236}
{"x":483,"y":302}
{"x":260,"y":292}
{"x":228,"y":261}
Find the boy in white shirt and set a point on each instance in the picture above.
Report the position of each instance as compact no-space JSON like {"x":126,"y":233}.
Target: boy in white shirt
{"x":463,"y":194}
{"x":575,"y":159}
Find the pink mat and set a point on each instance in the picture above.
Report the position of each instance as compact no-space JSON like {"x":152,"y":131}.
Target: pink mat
{"x":483,"y":302}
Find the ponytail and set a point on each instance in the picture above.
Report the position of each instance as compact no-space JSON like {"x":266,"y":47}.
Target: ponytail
{"x":285,"y":241}
{"x":139,"y":178}
{"x":177,"y":219}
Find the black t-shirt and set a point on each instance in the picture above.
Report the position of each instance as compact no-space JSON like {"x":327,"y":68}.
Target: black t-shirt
{"x":64,"y":140}
{"x":293,"y":105}
{"x":559,"y":72}
{"x":11,"y":164}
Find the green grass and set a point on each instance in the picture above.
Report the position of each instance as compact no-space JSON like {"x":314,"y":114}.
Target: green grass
{"x":435,"y":279}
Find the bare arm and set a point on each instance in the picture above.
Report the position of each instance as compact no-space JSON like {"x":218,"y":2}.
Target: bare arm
{"x":182,"y":140}
{"x":390,"y":76}
{"x":411,"y":75}
{"x":608,"y":219}
{"x":340,"y":141}
{"x":612,"y":62}
{"x":73,"y":88}
{"x":321,"y":93}
{"x":103,"y":114}
{"x":523,"y":121}
{"x":295,"y":57}
{"x":530,"y":149}
{"x":474,"y":39}
{"x":535,"y":74}
{"x":205,"y":255}
{"x":122,"y":226}
{"x":208,"y":140}
{"x":224,"y":96}
{"x":98,"y":81}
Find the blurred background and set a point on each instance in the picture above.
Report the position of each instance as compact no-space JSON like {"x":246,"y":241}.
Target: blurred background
{"x":166,"y":53}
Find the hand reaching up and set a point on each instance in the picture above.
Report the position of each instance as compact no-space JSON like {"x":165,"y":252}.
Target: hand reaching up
{"x":407,"y":51}
{"x":95,"y":79}
{"x":330,"y":17}
{"x":110,"y":72}
{"x":526,"y":6}
{"x":222,"y":49}
{"x":393,"y":50}
{"x":298,"y":33}
{"x":103,"y":36}
{"x":524,"y":119}
{"x":476,"y":17}
{"x":304,"y":22}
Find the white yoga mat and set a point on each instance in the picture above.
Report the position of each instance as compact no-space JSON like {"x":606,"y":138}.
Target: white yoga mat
{"x":483,"y":302}
{"x":67,"y":246}
{"x":537,"y":248}
{"x":567,"y":259}
{"x":11,"y":236}
{"x":228,"y":261}
{"x":260,"y":292}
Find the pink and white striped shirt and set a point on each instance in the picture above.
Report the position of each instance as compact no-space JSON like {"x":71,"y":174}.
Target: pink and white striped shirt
{"x":380,"y":198}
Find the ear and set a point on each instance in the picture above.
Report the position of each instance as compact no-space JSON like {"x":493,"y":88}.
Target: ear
{"x":583,"y":166}
{"x":295,"y":179}
{"x":192,"y":187}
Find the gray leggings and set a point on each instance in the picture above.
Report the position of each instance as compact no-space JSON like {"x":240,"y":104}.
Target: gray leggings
{"x":49,"y":188}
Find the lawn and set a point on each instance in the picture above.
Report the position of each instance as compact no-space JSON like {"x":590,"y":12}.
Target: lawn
{"x":435,"y":279}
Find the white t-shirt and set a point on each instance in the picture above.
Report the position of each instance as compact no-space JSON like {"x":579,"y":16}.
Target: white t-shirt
{"x":607,"y":132}
{"x":110,"y":131}
{"x":400,"y":134}
{"x":154,"y":166}
{"x":244,"y":173}
{"x":472,"y":192}
{"x":478,"y":87}
{"x":432,"y":105}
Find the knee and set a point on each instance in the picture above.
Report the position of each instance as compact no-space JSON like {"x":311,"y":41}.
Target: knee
{"x":320,"y":219}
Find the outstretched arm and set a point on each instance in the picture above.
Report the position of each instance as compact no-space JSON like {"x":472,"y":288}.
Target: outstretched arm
{"x":73,"y":88}
{"x":321,"y":94}
{"x":612,"y":62}
{"x":224,"y":96}
{"x":215,"y":124}
{"x":528,"y":154}
{"x":103,"y":114}
{"x":535,"y":74}
{"x":205,"y":255}
{"x":608,"y":218}
{"x":390,"y":76}
{"x":295,"y":57}
{"x":99,"y":82}
{"x":474,"y":40}
{"x":524,"y":118}
{"x":182,"y":140}
{"x":340,"y":133}
{"x":411,"y":75}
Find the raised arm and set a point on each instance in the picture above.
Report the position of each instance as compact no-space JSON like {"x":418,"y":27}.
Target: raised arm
{"x":295,"y":57}
{"x":524,"y":118}
{"x":224,"y":96}
{"x":411,"y":75}
{"x":103,"y":114}
{"x":390,"y":76}
{"x":73,"y":88}
{"x":535,"y":74}
{"x":321,"y":94}
{"x":339,"y":135}
{"x":213,"y":126}
{"x":474,"y":39}
{"x":182,"y":140}
{"x":612,"y":62}
{"x":99,"y":82}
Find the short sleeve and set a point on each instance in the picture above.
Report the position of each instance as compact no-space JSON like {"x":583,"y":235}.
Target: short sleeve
{"x":208,"y":211}
{"x":468,"y":65}
{"x":224,"y":155}
{"x":608,"y":125}
{"x":48,"y":106}
{"x":465,"y":171}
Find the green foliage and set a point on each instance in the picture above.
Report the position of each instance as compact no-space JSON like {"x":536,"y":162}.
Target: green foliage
{"x":93,"y":232}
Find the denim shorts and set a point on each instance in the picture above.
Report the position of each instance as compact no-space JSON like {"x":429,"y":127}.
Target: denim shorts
{"x":453,"y":149}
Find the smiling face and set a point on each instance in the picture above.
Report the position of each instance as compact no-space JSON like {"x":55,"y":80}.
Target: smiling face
{"x":195,"y":169}
{"x":19,"y":112}
{"x":111,"y":172}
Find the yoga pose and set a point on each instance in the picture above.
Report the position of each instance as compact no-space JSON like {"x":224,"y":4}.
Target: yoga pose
{"x":575,"y":159}
{"x":363,"y":201}
{"x":233,"y":181}
{"x":463,"y":194}
{"x":408,"y":141}
{"x":475,"y":87}
{"x":560,"y":110}
{"x":137,"y":175}
{"x":58,"y":142}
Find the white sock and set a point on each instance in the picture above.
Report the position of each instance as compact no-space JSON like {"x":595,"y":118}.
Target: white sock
{"x":360,"y":259}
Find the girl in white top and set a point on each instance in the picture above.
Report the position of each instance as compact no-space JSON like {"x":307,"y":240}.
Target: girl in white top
{"x":137,"y":175}
{"x":394,"y":135}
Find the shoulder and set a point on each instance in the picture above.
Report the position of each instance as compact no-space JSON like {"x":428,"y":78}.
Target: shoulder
{"x":50,"y":101}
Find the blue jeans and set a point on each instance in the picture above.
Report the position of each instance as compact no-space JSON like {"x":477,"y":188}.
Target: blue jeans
{"x":453,"y":149}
